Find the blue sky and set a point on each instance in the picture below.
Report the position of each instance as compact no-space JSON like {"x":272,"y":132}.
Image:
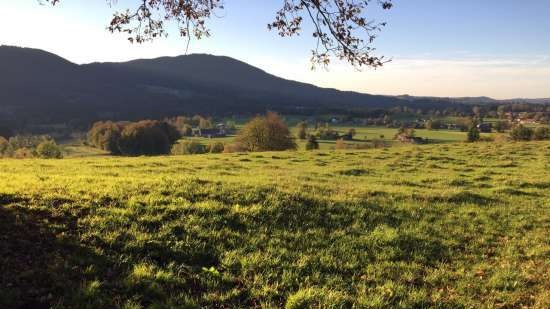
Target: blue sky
{"x":439,"y":47}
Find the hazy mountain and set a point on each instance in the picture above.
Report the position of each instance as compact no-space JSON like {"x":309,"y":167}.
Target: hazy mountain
{"x":40,"y":87}
{"x":531,"y":101}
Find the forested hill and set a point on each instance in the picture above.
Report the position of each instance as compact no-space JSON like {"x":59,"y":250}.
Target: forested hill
{"x":40,"y":87}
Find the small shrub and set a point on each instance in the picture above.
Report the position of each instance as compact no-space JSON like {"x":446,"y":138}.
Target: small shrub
{"x":216,"y":147}
{"x":521,"y":133}
{"x":312,"y":143}
{"x":302,"y":130}
{"x":267,"y":133}
{"x":23,"y":153}
{"x":502,"y":126}
{"x":542,"y":133}
{"x":235,"y":147}
{"x":49,"y":150}
{"x":473,"y":135}
{"x":326,"y":133}
{"x":404,"y":133}
{"x":4,"y":147}
{"x":188,"y":147}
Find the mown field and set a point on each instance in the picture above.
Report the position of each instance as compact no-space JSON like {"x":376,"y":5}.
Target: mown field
{"x":435,"y":226}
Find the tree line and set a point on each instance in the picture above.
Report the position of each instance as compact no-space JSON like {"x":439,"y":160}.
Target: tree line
{"x":523,"y":133}
{"x":30,"y":146}
{"x":153,"y":137}
{"x":145,"y":137}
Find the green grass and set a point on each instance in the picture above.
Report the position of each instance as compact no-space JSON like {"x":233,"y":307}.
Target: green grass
{"x":364,"y":136}
{"x":436,"y":226}
{"x":436,"y":136}
{"x":78,"y":151}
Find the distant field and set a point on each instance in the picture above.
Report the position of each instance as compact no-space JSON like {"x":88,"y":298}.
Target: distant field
{"x":363,"y":135}
{"x":75,"y":151}
{"x":437,"y":136}
{"x":434,"y":226}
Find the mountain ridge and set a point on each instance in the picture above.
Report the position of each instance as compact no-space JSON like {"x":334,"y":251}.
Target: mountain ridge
{"x":38,"y":86}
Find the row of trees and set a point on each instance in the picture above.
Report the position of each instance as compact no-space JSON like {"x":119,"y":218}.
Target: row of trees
{"x":185,"y":124}
{"x":150,"y":137}
{"x":537,"y":111}
{"x":262,"y":133}
{"x":270,"y":133}
{"x":30,"y":146}
{"x":522,"y":133}
{"x":460,"y":117}
{"x":146,"y":137}
{"x":323,"y":131}
{"x":194,"y":147}
{"x":518,"y":133}
{"x":461,"y":113}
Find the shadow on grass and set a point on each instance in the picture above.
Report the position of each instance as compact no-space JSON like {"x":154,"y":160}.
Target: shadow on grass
{"x":38,"y":264}
{"x":355,"y":172}
{"x":43,"y":264}
{"x":457,"y":198}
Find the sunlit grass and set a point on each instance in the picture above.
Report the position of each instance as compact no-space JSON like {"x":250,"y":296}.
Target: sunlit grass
{"x":434,"y":226}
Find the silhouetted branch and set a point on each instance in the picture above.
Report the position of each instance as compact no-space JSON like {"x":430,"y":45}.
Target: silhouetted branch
{"x":341,"y":27}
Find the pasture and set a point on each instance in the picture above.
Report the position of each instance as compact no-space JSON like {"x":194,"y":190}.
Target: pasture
{"x":364,"y":135}
{"x":435,"y":226}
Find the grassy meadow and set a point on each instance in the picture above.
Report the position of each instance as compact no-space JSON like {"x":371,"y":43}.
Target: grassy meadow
{"x":434,"y":226}
{"x":364,"y":135}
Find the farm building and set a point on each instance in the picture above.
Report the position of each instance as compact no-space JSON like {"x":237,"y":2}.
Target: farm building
{"x":218,"y":131}
{"x":485,"y":127}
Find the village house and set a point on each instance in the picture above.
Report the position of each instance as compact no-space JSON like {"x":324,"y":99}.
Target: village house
{"x":485,"y":127}
{"x":219,"y":131}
